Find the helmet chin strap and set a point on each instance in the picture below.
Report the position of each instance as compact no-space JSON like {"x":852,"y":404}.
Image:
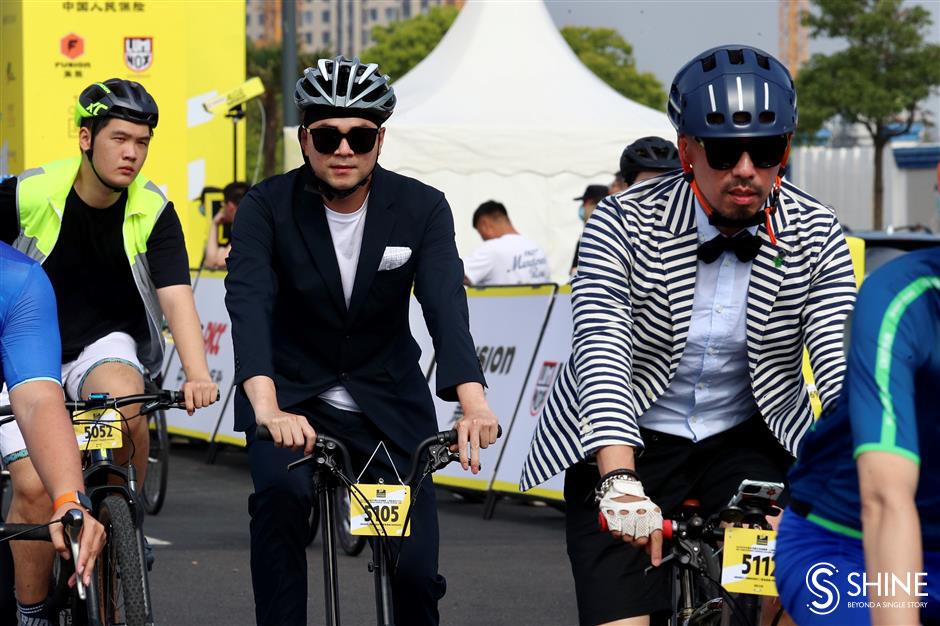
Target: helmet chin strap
{"x":91,"y":162}
{"x":717,"y":219}
{"x":327,"y":191}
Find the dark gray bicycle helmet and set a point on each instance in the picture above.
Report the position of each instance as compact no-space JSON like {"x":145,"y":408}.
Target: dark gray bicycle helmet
{"x":341,"y":87}
{"x":733,"y":91}
{"x":119,"y":98}
{"x":649,"y":154}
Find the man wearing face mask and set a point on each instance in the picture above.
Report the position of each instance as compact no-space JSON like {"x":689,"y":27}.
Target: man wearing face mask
{"x":695,"y":295}
{"x":592,"y":195}
{"x":322,"y":266}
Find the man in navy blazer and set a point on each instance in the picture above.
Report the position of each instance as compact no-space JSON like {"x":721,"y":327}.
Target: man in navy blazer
{"x":323,"y":262}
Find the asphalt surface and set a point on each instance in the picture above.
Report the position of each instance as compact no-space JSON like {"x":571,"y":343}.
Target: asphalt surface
{"x":509,"y":570}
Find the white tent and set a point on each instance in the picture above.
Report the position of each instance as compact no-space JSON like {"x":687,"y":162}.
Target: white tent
{"x":502,"y":109}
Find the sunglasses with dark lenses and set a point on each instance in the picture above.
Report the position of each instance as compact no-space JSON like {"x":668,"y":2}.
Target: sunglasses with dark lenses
{"x":723,"y":154}
{"x":326,"y":139}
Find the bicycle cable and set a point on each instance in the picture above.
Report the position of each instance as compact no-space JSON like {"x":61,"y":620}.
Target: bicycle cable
{"x":736,"y":610}
{"x":30,"y":529}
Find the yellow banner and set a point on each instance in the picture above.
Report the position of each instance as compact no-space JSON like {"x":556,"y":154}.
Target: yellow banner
{"x":50,"y":51}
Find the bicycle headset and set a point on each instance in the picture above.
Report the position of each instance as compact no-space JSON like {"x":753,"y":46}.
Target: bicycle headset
{"x":649,"y":154}
{"x":734,"y":91}
{"x":342,"y":87}
{"x":114,"y":98}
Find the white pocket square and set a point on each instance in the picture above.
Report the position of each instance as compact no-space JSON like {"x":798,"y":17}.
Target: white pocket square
{"x":394,"y":257}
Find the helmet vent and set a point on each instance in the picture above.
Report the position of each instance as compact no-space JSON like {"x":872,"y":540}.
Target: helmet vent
{"x":763,"y":61}
{"x":715,"y":119}
{"x":736,"y":57}
{"x":741,"y":118}
{"x":767,"y":117}
{"x":709,"y":63}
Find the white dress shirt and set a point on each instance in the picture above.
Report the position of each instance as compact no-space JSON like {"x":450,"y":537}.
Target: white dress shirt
{"x":711,"y":390}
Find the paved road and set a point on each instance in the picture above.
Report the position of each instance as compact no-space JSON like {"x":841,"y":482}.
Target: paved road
{"x":511,"y":570}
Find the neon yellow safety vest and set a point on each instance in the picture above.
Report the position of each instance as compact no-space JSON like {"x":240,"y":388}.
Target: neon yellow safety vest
{"x":40,"y":201}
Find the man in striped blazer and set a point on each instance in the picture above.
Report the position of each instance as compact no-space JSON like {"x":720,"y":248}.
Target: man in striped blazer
{"x":695,"y":294}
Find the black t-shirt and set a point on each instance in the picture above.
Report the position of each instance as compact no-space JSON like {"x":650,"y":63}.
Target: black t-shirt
{"x":95,"y":290}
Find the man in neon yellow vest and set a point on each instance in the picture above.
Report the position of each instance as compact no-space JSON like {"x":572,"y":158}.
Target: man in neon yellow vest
{"x":113,"y":248}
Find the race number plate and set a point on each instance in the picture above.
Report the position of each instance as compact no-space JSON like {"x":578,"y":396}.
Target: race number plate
{"x":98,"y":430}
{"x":388,"y":510}
{"x":748,"y":561}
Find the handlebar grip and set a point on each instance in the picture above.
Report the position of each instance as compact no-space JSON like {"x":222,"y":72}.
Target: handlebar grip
{"x":263,"y":434}
{"x":449,"y":437}
{"x":668,"y":529}
{"x":177,"y":397}
{"x":25,"y":531}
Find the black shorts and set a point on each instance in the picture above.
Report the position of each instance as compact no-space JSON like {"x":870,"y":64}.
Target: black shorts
{"x":610,"y":583}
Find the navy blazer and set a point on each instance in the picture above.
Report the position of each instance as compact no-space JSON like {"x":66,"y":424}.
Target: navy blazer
{"x":289,"y":316}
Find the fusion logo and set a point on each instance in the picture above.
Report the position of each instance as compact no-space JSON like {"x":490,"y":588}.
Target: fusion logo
{"x":823,"y":589}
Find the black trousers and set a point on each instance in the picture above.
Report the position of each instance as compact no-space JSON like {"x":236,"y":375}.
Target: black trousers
{"x":610,"y":583}
{"x":280,"y":511}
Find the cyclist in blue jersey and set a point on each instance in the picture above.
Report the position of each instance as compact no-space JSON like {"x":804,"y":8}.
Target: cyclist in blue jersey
{"x":30,"y":366}
{"x":860,"y":542}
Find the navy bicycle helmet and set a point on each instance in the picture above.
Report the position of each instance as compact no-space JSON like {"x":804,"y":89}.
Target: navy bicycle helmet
{"x":733,"y":91}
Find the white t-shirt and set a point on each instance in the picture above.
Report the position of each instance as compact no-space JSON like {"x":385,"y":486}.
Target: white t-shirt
{"x":346,"y":230}
{"x":508,"y":260}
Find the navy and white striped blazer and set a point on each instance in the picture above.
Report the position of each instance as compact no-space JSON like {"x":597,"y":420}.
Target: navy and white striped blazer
{"x":632,"y":308}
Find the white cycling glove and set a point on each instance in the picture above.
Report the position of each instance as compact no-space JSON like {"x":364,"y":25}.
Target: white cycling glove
{"x":637,"y":519}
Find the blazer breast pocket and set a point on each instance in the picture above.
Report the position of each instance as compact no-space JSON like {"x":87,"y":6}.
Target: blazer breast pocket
{"x":394,"y":257}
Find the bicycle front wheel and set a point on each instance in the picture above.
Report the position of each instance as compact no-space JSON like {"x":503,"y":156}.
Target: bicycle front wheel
{"x":153,"y":491}
{"x":120,"y":578}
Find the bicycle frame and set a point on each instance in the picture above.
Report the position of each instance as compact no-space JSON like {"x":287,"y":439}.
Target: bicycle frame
{"x":331,"y":461}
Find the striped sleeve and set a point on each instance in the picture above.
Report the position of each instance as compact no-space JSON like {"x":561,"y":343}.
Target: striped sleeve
{"x":829,"y":301}
{"x":603,"y":326}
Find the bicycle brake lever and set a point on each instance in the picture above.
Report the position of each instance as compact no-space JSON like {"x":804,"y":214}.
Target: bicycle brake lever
{"x":665,"y":560}
{"x":72,"y":523}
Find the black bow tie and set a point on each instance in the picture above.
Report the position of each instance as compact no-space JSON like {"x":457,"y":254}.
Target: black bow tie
{"x":744,"y":245}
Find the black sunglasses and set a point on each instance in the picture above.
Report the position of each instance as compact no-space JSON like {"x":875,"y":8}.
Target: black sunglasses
{"x":723,"y":154}
{"x":326,"y":139}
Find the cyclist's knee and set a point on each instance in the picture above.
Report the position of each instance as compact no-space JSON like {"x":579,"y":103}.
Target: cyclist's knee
{"x":116,"y":378}
{"x":30,"y":501}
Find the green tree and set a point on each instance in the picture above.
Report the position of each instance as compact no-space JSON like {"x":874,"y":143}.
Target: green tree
{"x":265,"y":63}
{"x":878,"y":81}
{"x":610,"y":57}
{"x":401,"y":45}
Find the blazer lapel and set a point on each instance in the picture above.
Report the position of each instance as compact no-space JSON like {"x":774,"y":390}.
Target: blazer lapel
{"x":768,"y":270}
{"x":380,"y":218}
{"x":310,"y":217}
{"x":680,"y":262}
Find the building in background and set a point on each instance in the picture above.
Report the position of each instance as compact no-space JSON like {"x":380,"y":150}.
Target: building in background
{"x":341,"y":26}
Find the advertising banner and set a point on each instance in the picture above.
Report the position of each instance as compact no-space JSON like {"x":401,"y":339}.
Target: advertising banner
{"x":506,"y":323}
{"x":552,"y":353}
{"x":217,"y":338}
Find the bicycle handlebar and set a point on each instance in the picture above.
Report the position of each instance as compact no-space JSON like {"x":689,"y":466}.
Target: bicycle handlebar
{"x":165,"y":398}
{"x":444,"y":438}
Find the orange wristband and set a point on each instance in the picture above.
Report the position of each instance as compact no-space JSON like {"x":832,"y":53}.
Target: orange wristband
{"x":76,"y":497}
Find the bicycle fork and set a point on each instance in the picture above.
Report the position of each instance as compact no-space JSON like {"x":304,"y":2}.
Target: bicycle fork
{"x":326,"y":488}
{"x":380,"y":568}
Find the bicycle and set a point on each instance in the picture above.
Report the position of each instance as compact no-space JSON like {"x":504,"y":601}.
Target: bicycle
{"x":121,"y":582}
{"x":698,"y":597}
{"x":332,"y":471}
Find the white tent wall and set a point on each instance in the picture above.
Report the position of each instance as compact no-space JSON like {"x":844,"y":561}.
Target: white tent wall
{"x":502,"y":109}
{"x":842,"y":178}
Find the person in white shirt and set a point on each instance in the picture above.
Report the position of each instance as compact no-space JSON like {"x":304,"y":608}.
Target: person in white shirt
{"x":506,"y":257}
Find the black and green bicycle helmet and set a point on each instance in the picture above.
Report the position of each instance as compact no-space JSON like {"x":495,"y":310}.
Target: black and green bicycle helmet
{"x":118,"y":98}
